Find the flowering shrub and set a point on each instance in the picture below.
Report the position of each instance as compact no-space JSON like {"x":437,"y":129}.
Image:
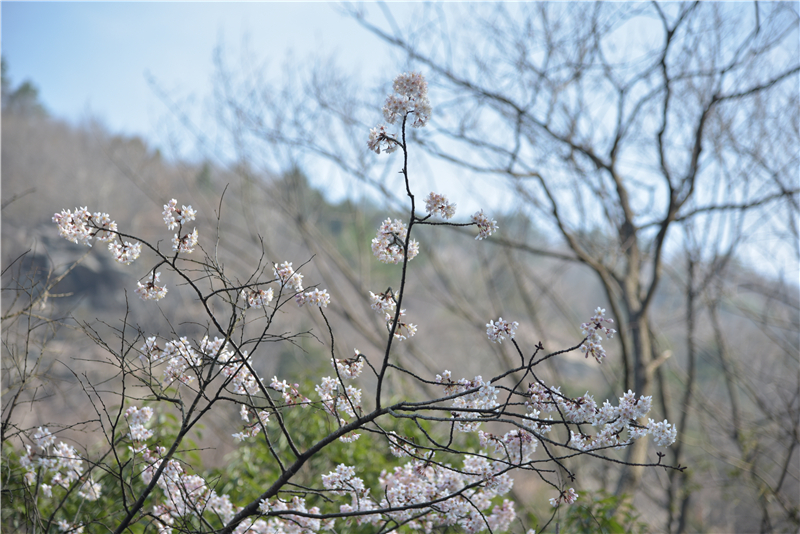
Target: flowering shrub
{"x":440,"y":480}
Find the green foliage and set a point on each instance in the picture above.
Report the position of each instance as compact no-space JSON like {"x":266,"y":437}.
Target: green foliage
{"x":602,"y":513}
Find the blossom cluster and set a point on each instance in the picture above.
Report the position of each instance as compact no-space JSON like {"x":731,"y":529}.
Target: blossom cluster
{"x":410,"y":97}
{"x":486,"y":225}
{"x":498,"y":331}
{"x":664,"y":434}
{"x":137,"y":419}
{"x":81,"y":226}
{"x":185,"y":495}
{"x":179,"y":355}
{"x":288,"y":277}
{"x":185,"y":243}
{"x":315,"y":297}
{"x":383,"y":302}
{"x":611,"y":420}
{"x":125,"y":253}
{"x":437,"y":204}
{"x":567,"y":497}
{"x":347,"y":402}
{"x":408,"y":488}
{"x":400,"y":446}
{"x":403,"y":330}
{"x":469,"y":405}
{"x":61,"y":463}
{"x":380,"y":140}
{"x":235,"y":367}
{"x":257,"y":298}
{"x":288,"y":524}
{"x":64,"y":526}
{"x":150,"y":290}
{"x":338,"y":401}
{"x":183,"y":362}
{"x":251,"y":430}
{"x":174,"y":217}
{"x":385,"y":305}
{"x":515,"y":446}
{"x":291,"y":393}
{"x":592,"y":331}
{"x":389,"y":244}
{"x":350,"y":368}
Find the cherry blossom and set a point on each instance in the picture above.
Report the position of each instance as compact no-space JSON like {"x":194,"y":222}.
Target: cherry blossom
{"x":382,"y":302}
{"x":150,"y":290}
{"x":425,"y":492}
{"x":389,"y":243}
{"x":498,"y":331}
{"x":125,"y":253}
{"x":257,"y":298}
{"x":486,"y":225}
{"x":81,"y":226}
{"x":437,"y":204}
{"x":350,"y":368}
{"x":592,"y":331}
{"x":410,"y":97}
{"x":174,"y":217}
{"x":288,"y":277}
{"x":136,"y":420}
{"x":567,"y":497}
{"x":380,"y":140}
{"x":291,"y":394}
{"x":315,"y":297}
{"x":185,"y":243}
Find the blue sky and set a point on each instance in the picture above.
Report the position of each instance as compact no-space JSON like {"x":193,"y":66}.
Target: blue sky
{"x":90,"y":59}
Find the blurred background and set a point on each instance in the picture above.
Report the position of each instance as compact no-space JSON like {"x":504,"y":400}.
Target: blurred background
{"x":643,"y":158}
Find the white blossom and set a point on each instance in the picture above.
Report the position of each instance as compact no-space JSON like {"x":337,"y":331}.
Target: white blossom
{"x":486,"y":226}
{"x":380,"y":140}
{"x":126,"y":253}
{"x":410,"y":97}
{"x":150,"y":290}
{"x":43,"y":438}
{"x":350,"y":368}
{"x":592,"y":330}
{"x":664,"y":434}
{"x":498,"y":331}
{"x":173,"y":217}
{"x":315,"y":297}
{"x":185,"y":243}
{"x":288,"y":277}
{"x":437,"y":204}
{"x":81,"y":226}
{"x":390,"y":240}
{"x":257,"y":298}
